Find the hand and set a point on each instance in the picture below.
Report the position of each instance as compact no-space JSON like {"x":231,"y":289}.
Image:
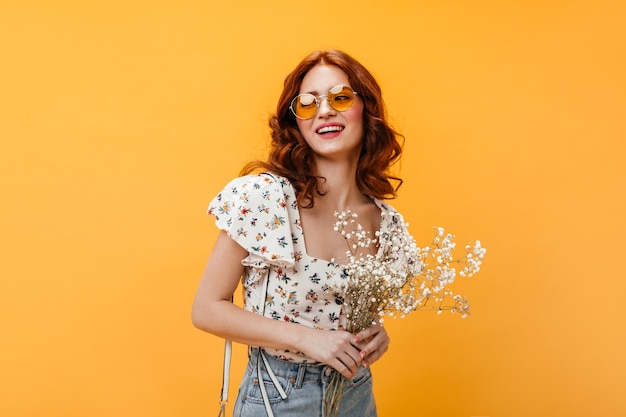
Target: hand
{"x":373,"y":343}
{"x":335,"y":348}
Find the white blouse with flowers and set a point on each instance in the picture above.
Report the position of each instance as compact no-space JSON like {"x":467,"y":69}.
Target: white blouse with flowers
{"x":261,"y":214}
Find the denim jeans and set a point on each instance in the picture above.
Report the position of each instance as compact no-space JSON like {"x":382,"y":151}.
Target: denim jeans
{"x":303,"y":386}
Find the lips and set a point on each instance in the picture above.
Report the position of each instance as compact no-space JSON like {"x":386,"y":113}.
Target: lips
{"x":329,"y":128}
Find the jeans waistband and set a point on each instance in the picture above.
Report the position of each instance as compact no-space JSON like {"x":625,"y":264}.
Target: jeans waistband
{"x":296,"y":372}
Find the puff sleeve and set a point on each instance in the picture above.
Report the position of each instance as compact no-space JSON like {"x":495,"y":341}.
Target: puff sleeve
{"x":253,"y":211}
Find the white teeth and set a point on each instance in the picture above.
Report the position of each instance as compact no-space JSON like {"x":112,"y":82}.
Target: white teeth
{"x":327,"y":129}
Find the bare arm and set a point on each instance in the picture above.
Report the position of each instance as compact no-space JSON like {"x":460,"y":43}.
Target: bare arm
{"x":213,"y":312}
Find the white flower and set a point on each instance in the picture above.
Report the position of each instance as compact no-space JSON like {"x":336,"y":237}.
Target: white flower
{"x":405,"y":277}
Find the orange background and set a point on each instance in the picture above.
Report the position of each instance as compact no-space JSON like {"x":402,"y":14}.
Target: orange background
{"x":120,"y":120}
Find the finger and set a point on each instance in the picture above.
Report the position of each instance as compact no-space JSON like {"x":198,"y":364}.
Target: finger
{"x":374,"y":351}
{"x":351,"y":361}
{"x":343,"y":369}
{"x":347,"y":373}
{"x":363,"y":335}
{"x":366,"y":340}
{"x":368,"y":333}
{"x":375,"y":347}
{"x":374,"y":356}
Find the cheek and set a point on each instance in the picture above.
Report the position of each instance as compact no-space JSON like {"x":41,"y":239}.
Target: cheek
{"x":302,"y":125}
{"x":355,"y":116}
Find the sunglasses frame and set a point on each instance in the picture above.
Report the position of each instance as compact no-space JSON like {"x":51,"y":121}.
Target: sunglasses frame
{"x":318,"y":100}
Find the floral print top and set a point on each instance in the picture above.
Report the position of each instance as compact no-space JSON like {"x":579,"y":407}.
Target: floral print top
{"x":261,"y":214}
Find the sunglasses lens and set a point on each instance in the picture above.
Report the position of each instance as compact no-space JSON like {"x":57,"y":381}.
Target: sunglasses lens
{"x":341,"y":97}
{"x":304,"y":106}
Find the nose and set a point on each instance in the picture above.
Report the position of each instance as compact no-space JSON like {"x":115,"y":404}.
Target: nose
{"x":325,"y":108}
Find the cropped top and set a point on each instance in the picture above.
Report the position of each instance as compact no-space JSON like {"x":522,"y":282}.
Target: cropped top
{"x":261,"y":214}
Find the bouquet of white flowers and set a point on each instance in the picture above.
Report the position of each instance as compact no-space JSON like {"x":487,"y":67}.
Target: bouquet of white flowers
{"x":399,"y":279}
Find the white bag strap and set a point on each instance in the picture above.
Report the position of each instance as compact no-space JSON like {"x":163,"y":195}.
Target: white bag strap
{"x":228,"y":346}
{"x":281,"y":391}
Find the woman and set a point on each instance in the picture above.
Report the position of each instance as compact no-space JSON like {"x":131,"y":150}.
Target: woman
{"x":330,"y":152}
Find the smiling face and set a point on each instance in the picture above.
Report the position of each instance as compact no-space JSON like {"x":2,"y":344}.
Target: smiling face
{"x":330,"y":133}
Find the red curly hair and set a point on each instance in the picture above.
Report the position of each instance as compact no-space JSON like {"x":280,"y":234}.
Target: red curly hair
{"x":291,"y":157}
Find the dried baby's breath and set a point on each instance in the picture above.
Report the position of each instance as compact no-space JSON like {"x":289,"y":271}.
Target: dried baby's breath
{"x":401,"y":277}
{"x":398,"y":279}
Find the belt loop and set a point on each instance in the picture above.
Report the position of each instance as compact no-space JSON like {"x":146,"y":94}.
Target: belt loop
{"x":300,"y":377}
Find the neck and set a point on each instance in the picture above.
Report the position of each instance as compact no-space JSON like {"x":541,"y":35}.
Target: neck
{"x":340,"y":187}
